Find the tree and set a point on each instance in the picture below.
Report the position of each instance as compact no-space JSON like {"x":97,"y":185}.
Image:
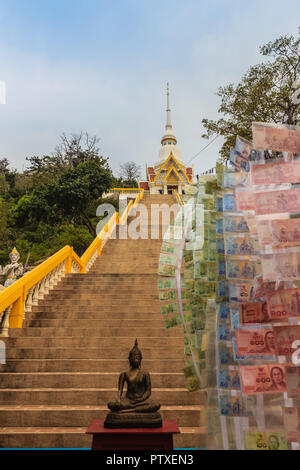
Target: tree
{"x":69,"y":153}
{"x":66,"y":198}
{"x":4,"y":166}
{"x":265,"y":93}
{"x":130,"y":171}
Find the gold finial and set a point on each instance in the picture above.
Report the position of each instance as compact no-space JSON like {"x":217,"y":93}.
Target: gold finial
{"x":14,"y":251}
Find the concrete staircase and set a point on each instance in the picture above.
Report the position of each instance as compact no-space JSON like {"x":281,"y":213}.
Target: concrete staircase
{"x":63,"y":365}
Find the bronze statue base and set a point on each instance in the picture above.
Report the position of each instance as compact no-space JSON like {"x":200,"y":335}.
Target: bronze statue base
{"x":133,"y":420}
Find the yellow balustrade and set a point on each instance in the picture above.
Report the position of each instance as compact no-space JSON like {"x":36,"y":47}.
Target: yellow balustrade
{"x":178,"y":198}
{"x":18,"y":298}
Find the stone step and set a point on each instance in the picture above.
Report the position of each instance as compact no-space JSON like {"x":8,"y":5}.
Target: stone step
{"x":88,"y":365}
{"x":92,"y":396}
{"x":84,"y":323}
{"x":128,"y":324}
{"x":81,"y":380}
{"x":59,"y":416}
{"x":100,"y":314}
{"x":89,"y":353}
{"x":75,"y":438}
{"x":96,"y":331}
{"x":100,"y":301}
{"x":91,"y":342}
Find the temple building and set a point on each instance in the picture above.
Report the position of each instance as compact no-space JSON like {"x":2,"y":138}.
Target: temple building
{"x":170,"y":171}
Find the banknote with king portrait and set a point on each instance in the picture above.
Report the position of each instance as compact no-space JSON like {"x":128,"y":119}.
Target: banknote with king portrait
{"x":258,"y":342}
{"x":263,"y":379}
{"x":283,"y":304}
{"x":280,"y":137}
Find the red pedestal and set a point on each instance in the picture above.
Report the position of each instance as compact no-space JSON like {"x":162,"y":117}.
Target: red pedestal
{"x":134,"y":438}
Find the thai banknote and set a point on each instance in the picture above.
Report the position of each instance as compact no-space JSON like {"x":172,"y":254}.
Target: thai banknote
{"x":280,"y":233}
{"x":238,"y":162}
{"x":251,"y":221}
{"x":291,"y":418}
{"x":254,"y":440}
{"x":284,"y":338}
{"x":174,"y":321}
{"x":224,"y":311}
{"x":263,"y":379}
{"x":259,"y":342}
{"x":243,"y":147}
{"x":275,"y":173}
{"x":244,"y":200}
{"x":165,"y":270}
{"x":224,"y":332}
{"x":239,"y":291}
{"x":221,"y":291}
{"x":226,"y":355}
{"x":235,"y":224}
{"x":169,"y":308}
{"x":240,"y":245}
{"x":167,"y":283}
{"x":284,"y":304}
{"x":273,"y":202}
{"x":235,"y":179}
{"x":235,"y":405}
{"x":169,"y":248}
{"x":219,"y":225}
{"x":229,"y":202}
{"x":229,"y":379}
{"x":293,"y":383}
{"x":283,"y":266}
{"x":167,"y":295}
{"x":241,"y":269}
{"x":166,"y":258}
{"x":220,"y":247}
{"x":253,"y":312}
{"x":278,"y":137}
{"x":261,"y":288}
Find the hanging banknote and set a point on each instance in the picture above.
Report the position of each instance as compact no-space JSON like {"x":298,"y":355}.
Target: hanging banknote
{"x":280,"y":233}
{"x":275,"y":173}
{"x":293,"y":383}
{"x":229,"y":379}
{"x":258,"y":342}
{"x":254,"y":440}
{"x":235,"y":179}
{"x":229,"y":203}
{"x":237,"y":161}
{"x":167,"y":283}
{"x":291,"y":417}
{"x":278,"y":137}
{"x":240,"y":245}
{"x":235,"y":224}
{"x":240,"y":269}
{"x":254,"y":312}
{"x":243,"y":147}
{"x":284,"y":304}
{"x":283,"y":266}
{"x":263,"y":379}
{"x":244,"y":200}
{"x":273,"y":202}
{"x":239,"y":291}
{"x":284,"y":339}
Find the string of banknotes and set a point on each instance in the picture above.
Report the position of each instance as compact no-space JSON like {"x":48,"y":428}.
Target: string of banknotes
{"x":238,"y":296}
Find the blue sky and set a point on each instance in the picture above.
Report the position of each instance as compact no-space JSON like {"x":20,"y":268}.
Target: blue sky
{"x":102,"y":65}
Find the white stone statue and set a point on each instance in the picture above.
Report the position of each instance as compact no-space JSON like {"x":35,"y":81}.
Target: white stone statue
{"x":14,"y":270}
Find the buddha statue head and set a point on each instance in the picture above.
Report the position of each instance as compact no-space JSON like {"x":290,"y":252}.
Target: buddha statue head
{"x":14,"y":256}
{"x":135,"y":356}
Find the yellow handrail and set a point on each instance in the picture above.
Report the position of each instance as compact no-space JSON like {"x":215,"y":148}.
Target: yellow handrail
{"x":180,"y":201}
{"x":16,"y":295}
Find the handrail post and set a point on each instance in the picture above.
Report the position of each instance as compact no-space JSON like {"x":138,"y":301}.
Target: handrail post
{"x":69,"y":264}
{"x":17,"y":312}
{"x":99,"y":248}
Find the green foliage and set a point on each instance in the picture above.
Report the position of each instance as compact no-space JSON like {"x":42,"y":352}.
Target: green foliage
{"x":265,"y":93}
{"x":53,"y":203}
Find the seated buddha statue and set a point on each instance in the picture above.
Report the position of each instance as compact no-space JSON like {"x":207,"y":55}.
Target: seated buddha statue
{"x":134,"y":409}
